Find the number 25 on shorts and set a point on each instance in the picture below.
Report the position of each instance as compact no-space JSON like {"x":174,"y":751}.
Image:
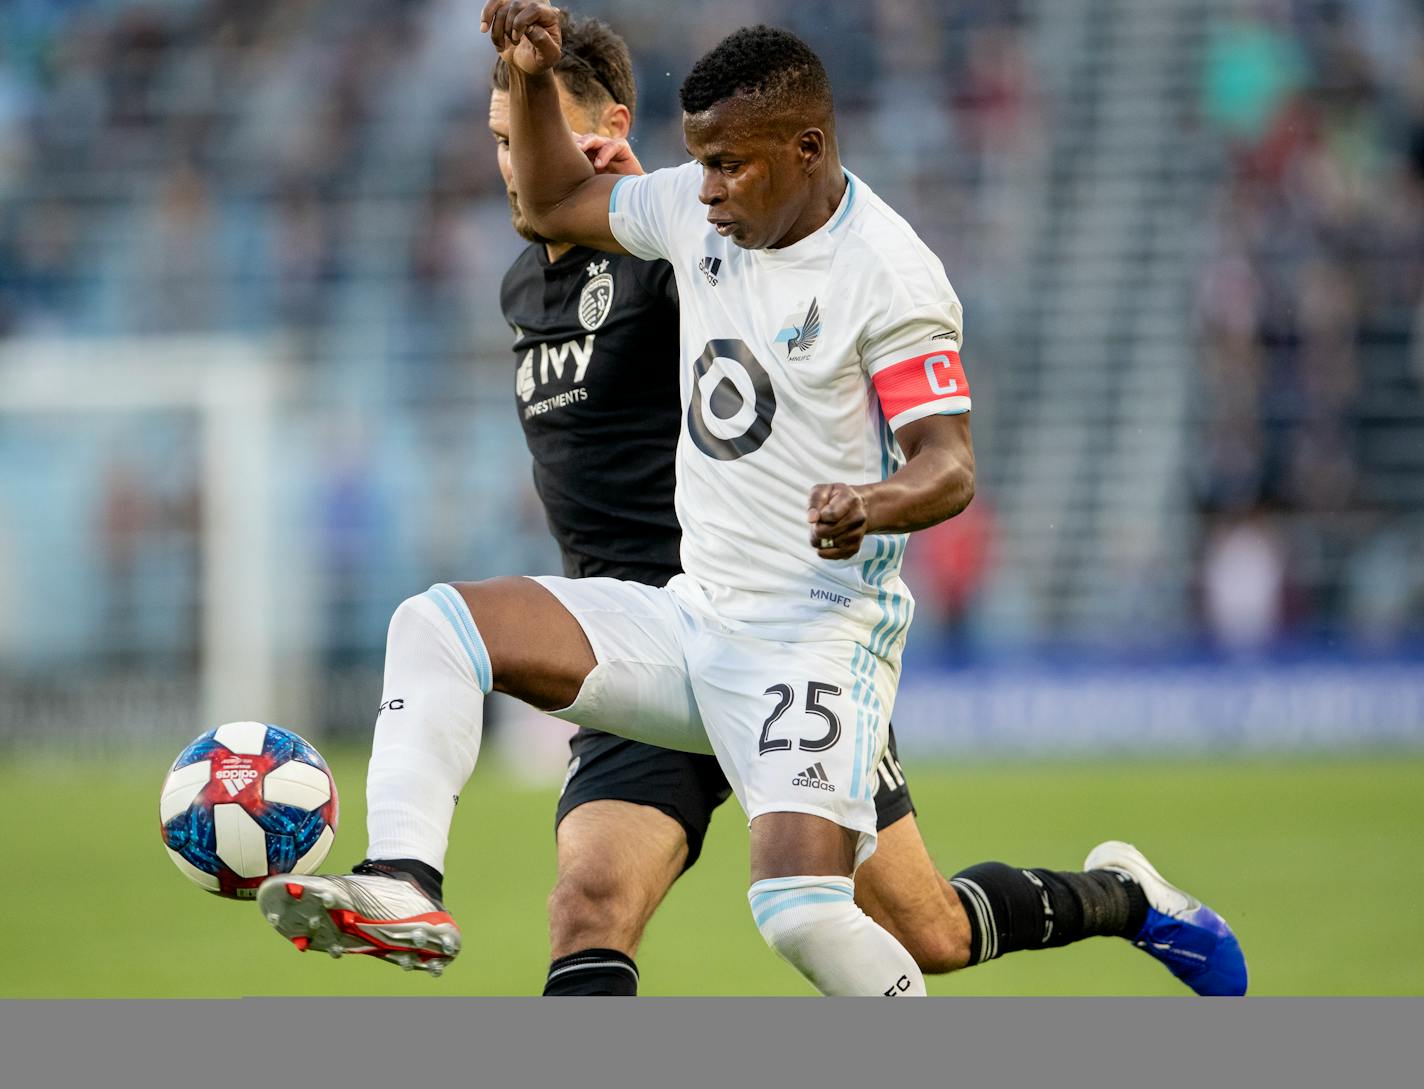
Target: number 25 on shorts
{"x":785,"y":696}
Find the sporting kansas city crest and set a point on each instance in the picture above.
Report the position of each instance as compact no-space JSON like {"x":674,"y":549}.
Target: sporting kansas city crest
{"x":596,"y":299}
{"x":800,"y":339}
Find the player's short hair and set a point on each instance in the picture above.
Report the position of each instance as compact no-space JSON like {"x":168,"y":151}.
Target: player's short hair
{"x":595,"y":65}
{"x":772,"y":67}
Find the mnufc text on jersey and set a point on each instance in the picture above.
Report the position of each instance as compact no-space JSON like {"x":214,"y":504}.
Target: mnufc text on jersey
{"x":553,"y":358}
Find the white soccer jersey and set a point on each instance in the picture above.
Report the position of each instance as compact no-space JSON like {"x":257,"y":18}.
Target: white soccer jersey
{"x":797,"y":365}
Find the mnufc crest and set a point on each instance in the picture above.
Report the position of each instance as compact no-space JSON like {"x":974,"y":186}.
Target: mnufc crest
{"x":800,"y":339}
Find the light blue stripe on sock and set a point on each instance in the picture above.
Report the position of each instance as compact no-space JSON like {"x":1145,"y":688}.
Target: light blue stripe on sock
{"x":762,"y":909}
{"x":458,"y":614}
{"x":474,"y":642}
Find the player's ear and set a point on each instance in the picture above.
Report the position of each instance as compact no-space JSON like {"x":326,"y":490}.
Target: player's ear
{"x":615,"y":121}
{"x":811,"y":148}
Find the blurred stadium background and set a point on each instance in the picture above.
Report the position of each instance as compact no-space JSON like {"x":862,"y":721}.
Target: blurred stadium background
{"x":255,"y":389}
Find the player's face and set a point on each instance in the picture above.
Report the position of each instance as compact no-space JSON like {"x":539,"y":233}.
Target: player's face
{"x":754,"y":178}
{"x":578,"y":120}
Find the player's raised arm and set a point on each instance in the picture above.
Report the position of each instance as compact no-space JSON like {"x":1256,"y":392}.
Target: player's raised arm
{"x":561,"y":195}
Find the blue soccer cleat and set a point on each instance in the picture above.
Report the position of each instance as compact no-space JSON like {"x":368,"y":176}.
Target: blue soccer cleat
{"x":1194,"y":942}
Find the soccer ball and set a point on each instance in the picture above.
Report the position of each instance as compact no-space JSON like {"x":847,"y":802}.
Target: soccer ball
{"x":243,"y":802}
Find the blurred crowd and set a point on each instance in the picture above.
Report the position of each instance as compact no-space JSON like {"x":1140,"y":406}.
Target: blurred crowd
{"x":308,"y":164}
{"x":1311,"y":308}
{"x":318,"y":175}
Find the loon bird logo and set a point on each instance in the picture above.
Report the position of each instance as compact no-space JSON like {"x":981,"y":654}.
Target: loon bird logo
{"x":800,"y":339}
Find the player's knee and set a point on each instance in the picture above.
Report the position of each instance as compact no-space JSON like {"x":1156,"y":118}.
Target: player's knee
{"x":591,"y":908}
{"x":434,"y":634}
{"x":457,"y":604}
{"x":537,"y":650}
{"x":408,"y":622}
{"x":438,"y":608}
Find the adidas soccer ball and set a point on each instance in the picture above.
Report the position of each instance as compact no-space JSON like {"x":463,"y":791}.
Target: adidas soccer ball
{"x":243,"y":802}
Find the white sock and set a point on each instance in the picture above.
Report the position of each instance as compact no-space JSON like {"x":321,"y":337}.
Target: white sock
{"x":428,"y":730}
{"x":814,"y":923}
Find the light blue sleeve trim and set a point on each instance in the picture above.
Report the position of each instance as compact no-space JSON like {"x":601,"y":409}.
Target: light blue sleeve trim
{"x":613,"y":193}
{"x":449,"y":601}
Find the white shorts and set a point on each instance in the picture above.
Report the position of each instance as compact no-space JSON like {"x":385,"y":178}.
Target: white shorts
{"x":797,"y":727}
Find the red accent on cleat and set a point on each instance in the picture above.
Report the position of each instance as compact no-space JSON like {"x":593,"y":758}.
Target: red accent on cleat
{"x":301,"y":944}
{"x":294,"y":890}
{"x":349,"y":922}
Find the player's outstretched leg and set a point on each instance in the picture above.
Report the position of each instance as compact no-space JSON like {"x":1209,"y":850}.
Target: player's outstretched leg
{"x":445,"y":650}
{"x":1192,"y":940}
{"x":1119,"y":894}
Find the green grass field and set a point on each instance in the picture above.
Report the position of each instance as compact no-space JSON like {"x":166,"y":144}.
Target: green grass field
{"x":1312,"y":861}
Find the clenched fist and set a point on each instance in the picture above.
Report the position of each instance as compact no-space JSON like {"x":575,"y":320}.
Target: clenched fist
{"x":838,"y":520}
{"x":525,"y":33}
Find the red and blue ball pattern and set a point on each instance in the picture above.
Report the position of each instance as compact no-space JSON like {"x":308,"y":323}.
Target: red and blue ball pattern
{"x":246,"y":801}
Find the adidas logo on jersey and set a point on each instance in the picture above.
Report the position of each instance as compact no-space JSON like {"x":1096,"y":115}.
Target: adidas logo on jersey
{"x":710,"y":267}
{"x":815,"y":778}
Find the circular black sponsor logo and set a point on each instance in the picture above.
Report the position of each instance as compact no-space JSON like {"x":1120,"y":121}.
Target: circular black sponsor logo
{"x":727,"y":402}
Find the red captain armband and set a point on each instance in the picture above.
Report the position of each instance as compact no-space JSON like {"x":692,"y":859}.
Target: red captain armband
{"x":923,"y":385}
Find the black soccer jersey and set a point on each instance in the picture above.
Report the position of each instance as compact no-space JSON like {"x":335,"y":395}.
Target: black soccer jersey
{"x":596,"y":385}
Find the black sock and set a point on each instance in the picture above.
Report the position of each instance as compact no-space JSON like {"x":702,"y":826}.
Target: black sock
{"x":430,"y":880}
{"x":1011,"y":909}
{"x":593,"y":971}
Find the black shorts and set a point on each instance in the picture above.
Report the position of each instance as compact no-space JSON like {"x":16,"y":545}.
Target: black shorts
{"x":686,"y":786}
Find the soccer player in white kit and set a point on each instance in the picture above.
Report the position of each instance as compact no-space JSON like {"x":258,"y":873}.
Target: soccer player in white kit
{"x":803,"y":364}
{"x":825,"y":418}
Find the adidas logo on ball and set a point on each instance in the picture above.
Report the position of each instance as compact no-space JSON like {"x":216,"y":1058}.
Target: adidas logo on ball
{"x":815,"y":778}
{"x":236,"y":780}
